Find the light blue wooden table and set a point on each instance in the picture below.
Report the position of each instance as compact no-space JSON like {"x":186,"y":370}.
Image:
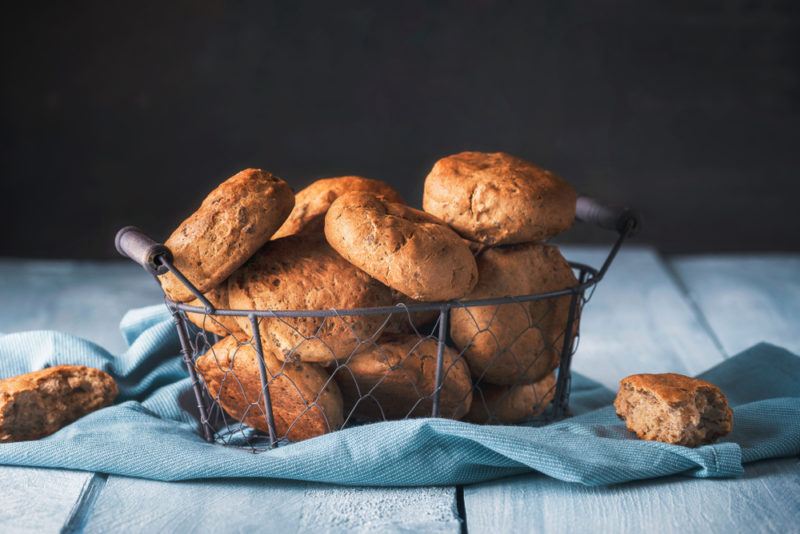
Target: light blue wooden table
{"x":684,"y":314}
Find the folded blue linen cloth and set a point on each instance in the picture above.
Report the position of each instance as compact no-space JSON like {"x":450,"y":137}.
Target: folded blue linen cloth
{"x":151,"y":432}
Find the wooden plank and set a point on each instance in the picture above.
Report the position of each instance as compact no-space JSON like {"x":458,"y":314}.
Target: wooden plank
{"x":746,"y":299}
{"x":638,"y":320}
{"x":86,"y":299}
{"x":766,"y":499}
{"x":135,"y":505}
{"x":643,"y":263}
{"x":39,"y":500}
{"x":330,"y":507}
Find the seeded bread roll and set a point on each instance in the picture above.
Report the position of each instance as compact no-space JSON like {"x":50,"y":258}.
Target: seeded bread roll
{"x":673,"y":408}
{"x":495,"y":198}
{"x":231,"y":224}
{"x":398,"y":378}
{"x":313,"y":202}
{"x":519,"y":342}
{"x":511,"y":404}
{"x":216,"y":324}
{"x":305,"y":402}
{"x":406,"y":249}
{"x":38,"y":404}
{"x":302,"y":272}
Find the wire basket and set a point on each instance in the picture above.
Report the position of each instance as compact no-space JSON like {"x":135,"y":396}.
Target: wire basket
{"x":386,"y":363}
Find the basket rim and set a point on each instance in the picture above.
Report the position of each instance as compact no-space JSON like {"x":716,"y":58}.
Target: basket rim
{"x":584,"y":269}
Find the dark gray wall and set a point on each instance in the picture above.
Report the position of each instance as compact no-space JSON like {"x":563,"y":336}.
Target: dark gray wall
{"x":115,"y":113}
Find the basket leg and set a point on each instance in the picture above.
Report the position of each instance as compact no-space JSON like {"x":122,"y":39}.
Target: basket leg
{"x":262,"y":371}
{"x":561,"y":398}
{"x":444,"y":315}
{"x":188,"y":360}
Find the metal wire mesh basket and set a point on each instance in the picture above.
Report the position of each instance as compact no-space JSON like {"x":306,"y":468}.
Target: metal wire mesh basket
{"x":387,"y":363}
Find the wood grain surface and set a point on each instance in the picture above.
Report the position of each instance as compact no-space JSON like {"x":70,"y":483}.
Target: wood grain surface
{"x":673,"y":327}
{"x":89,"y":299}
{"x":86,"y":299}
{"x":746,"y":299}
{"x":764,"y":500}
{"x":638,"y":320}
{"x":646,"y":315}
{"x":135,"y":505}
{"x":39,"y":500}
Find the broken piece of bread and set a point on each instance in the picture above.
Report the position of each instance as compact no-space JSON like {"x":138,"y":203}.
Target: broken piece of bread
{"x":673,"y":408}
{"x":38,"y":404}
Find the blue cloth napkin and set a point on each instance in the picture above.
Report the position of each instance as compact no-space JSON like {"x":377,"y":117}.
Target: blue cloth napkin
{"x":151,"y":432}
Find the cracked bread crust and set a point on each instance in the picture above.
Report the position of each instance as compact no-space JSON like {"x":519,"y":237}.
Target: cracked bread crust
{"x":232,"y":223}
{"x":312,"y":203}
{"x":520,"y":342}
{"x":305,"y":401}
{"x":406,"y":249}
{"x":511,"y":404}
{"x":496,"y":198}
{"x":398,"y":378}
{"x":302,"y":272}
{"x":673,"y":408}
{"x":38,"y":404}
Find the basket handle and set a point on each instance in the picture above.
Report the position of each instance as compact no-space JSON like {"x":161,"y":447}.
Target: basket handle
{"x":136,"y":245}
{"x":623,"y":220}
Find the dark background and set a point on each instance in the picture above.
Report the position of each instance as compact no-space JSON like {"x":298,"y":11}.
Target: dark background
{"x":116,"y":113}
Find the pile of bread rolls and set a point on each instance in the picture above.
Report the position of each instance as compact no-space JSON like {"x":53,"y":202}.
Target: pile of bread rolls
{"x":352,"y":242}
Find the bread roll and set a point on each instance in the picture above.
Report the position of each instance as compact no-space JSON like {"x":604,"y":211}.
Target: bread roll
{"x":302,"y":272}
{"x":216,"y":324}
{"x":673,"y":408}
{"x":408,"y":322}
{"x":231,"y":224}
{"x":313,"y":202}
{"x":397,"y":378}
{"x":406,"y":249}
{"x":496,"y":199}
{"x":305,"y":401}
{"x":511,"y":404}
{"x":521,"y":342}
{"x":38,"y":404}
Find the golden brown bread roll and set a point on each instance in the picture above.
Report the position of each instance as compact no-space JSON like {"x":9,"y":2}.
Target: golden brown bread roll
{"x":518,"y":342}
{"x":216,"y":324}
{"x":302,"y":272}
{"x":673,"y":408}
{"x":38,"y":404}
{"x":406,"y":249}
{"x":398,"y":377}
{"x":407,"y":322}
{"x":234,"y":220}
{"x":305,"y":401}
{"x":511,"y":404}
{"x":313,"y":202}
{"x":495,"y":198}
